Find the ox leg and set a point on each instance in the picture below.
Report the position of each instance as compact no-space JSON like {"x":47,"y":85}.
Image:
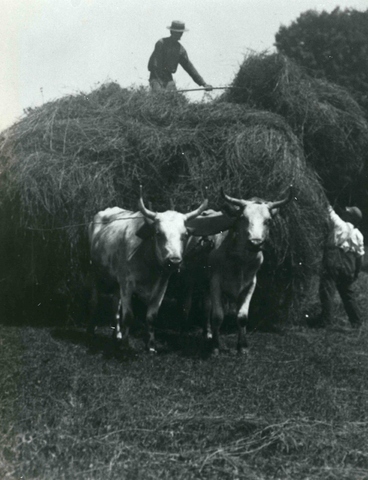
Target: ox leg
{"x":185,"y":301}
{"x":242,"y":319}
{"x":118,"y":314}
{"x":152,"y":311}
{"x":207,"y":327}
{"x":93,"y":305}
{"x":124,"y":318}
{"x":217,"y":315}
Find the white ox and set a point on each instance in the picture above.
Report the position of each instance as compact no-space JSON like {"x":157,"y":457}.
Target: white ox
{"x":134,"y":254}
{"x":235,"y":259}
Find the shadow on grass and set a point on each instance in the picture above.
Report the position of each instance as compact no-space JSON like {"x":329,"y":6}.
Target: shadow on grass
{"x":99,"y":344}
{"x":168,"y":342}
{"x":186,"y":345}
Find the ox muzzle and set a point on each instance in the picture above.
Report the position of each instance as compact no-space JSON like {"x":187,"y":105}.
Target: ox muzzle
{"x":172,"y":264}
{"x":255,"y":244}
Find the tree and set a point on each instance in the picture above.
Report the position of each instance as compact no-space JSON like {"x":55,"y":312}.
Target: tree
{"x":332,"y":46}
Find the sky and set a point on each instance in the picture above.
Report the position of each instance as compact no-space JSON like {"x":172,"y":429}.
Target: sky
{"x":53,"y":48}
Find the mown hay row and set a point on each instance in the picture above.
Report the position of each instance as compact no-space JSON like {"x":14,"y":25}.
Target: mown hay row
{"x":73,"y":157}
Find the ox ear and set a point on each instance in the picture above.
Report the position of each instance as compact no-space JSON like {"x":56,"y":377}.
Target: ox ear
{"x":145,"y":231}
{"x":231,"y":210}
{"x":211,"y":224}
{"x":274,"y":212}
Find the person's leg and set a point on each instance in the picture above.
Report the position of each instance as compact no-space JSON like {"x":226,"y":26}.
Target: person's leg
{"x":327,"y":290}
{"x":159,"y":85}
{"x":156,"y":85}
{"x":348,"y":297}
{"x":171,"y":85}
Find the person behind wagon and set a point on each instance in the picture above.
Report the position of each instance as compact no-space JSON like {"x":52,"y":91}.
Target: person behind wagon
{"x":166,"y":57}
{"x":343,"y":258}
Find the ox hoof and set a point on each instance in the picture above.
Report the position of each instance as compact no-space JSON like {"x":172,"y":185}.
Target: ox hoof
{"x":152,"y":350}
{"x":208,"y":336}
{"x":117,"y":335}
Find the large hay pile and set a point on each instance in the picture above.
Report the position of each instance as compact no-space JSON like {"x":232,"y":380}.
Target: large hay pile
{"x":72,"y":157}
{"x":326,"y":119}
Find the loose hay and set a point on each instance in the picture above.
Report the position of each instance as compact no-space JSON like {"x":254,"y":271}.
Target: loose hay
{"x":70,"y":158}
{"x":326,"y":119}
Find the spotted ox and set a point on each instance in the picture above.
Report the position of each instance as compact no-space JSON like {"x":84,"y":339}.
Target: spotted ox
{"x":133,"y":255}
{"x":235,"y":259}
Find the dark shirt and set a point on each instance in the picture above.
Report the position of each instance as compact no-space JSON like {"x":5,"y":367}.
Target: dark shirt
{"x":166,"y":57}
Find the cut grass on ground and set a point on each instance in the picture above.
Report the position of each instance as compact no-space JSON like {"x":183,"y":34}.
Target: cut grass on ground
{"x":296,"y":408}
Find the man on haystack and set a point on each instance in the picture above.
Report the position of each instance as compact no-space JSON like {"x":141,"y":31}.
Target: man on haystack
{"x":343,"y":258}
{"x":166,"y":57}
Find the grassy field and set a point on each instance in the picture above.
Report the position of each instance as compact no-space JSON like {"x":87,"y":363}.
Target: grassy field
{"x":296,"y":408}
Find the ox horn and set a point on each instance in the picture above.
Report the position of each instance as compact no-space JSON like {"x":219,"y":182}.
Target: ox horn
{"x":234,"y":201}
{"x":279,"y":203}
{"x":200,"y":209}
{"x":147,"y":213}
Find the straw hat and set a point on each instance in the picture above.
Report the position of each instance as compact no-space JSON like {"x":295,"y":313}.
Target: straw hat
{"x":177,"y":26}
